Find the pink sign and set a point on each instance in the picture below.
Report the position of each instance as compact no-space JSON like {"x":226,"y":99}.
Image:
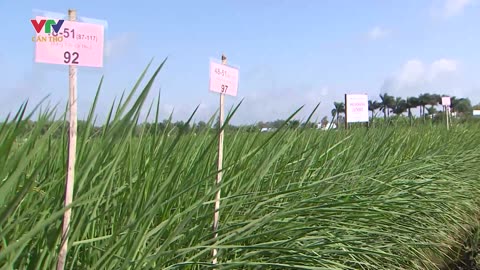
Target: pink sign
{"x":223,"y":79}
{"x":76,"y":43}
{"x":446,"y":101}
{"x":357,"y":108}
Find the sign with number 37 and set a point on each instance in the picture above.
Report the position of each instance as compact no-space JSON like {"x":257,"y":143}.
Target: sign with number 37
{"x":223,"y":79}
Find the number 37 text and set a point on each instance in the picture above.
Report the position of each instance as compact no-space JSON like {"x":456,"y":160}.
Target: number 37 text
{"x":224,"y":88}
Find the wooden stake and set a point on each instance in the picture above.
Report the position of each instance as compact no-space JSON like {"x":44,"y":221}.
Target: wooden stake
{"x":447,"y":112}
{"x":346,"y":116}
{"x":72,"y":145}
{"x":216,"y":216}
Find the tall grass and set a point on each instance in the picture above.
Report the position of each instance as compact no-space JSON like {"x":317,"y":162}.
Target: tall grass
{"x":382,"y":198}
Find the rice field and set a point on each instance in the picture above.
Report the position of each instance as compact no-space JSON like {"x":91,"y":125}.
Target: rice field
{"x":378,"y":198}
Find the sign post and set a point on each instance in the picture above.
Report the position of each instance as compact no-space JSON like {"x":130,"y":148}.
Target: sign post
{"x":223,"y":80}
{"x":72,"y":146}
{"x":74,"y":44}
{"x":446,"y":101}
{"x":346,"y":113}
{"x":356,"y":108}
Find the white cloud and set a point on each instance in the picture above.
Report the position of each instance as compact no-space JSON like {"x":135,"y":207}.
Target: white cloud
{"x":118,"y":45}
{"x":378,"y":32}
{"x":412,"y":71}
{"x":324,"y":91}
{"x":442,"y":66}
{"x":440,"y":76}
{"x":455,"y":7}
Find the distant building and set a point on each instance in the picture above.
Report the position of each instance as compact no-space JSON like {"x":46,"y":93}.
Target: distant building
{"x":476,"y":113}
{"x":327,"y":126}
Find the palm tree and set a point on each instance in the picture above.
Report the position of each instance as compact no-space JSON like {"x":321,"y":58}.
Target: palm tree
{"x":431,"y":111}
{"x":400,"y":106}
{"x":423,"y":100}
{"x":412,"y":102}
{"x":453,"y":103}
{"x":435,"y":99}
{"x":372,"y":106}
{"x":386,"y":104}
{"x":339,"y":108}
{"x":461,"y":106}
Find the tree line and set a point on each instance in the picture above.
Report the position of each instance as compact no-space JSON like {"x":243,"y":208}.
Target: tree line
{"x":387,"y":105}
{"x":426,"y":103}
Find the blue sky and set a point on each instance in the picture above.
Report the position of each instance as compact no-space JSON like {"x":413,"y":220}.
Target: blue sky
{"x":290,"y":53}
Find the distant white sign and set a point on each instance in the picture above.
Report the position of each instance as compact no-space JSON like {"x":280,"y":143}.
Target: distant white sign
{"x":476,"y":112}
{"x":357,"y":108}
{"x":446,"y":101}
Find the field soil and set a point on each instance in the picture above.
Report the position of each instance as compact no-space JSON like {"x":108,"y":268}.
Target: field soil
{"x":469,"y":256}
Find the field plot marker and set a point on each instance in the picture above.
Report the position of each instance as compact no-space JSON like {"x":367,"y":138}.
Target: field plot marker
{"x":446,"y":101}
{"x":72,"y":147}
{"x":223,"y":80}
{"x":346,"y":113}
{"x":356,"y":108}
{"x":447,"y":112}
{"x":74,"y":44}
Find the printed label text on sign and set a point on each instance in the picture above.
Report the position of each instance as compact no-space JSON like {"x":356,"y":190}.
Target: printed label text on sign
{"x":75,"y":44}
{"x":223,"y":79}
{"x":357,"y":108}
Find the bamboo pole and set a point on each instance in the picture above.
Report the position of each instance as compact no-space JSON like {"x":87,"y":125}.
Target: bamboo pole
{"x":216,"y":216}
{"x":346,"y":116}
{"x":447,"y":112}
{"x":72,"y":145}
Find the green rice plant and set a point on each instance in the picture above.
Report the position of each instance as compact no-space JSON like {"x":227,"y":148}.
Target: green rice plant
{"x":389,"y":197}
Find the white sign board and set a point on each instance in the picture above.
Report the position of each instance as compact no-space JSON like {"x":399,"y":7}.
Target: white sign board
{"x":223,"y":79}
{"x":357,"y":108}
{"x":446,"y":101}
{"x":476,"y":112}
